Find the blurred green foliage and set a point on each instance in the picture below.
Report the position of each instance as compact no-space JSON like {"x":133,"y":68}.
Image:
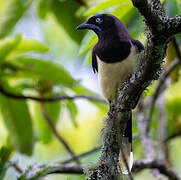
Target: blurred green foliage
{"x":28,"y":67}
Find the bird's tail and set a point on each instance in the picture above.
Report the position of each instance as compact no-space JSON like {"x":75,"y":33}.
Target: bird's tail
{"x":127,"y":149}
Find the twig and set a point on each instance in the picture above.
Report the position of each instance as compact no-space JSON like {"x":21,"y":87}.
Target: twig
{"x":52,"y":99}
{"x":146,"y":139}
{"x":16,"y":167}
{"x":81,"y":155}
{"x":57,"y":135}
{"x":135,"y":136}
{"x":162,"y":127}
{"x":164,"y":75}
{"x":43,"y":170}
{"x":162,"y":166}
{"x":40,"y":171}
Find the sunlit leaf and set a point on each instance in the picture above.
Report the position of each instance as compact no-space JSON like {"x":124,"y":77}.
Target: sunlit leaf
{"x":135,"y":27}
{"x":42,"y":7}
{"x":14,"y":11}
{"x":88,"y":42}
{"x":46,"y":70}
{"x":18,"y":122}
{"x":4,"y":165}
{"x":72,"y":108}
{"x":104,"y":5}
{"x":7,"y":45}
{"x":88,"y":58}
{"x":65,"y":13}
{"x":28,"y":45}
{"x":125,"y":12}
{"x":80,"y":90}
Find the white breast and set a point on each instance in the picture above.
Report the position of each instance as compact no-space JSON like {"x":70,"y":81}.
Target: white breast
{"x":111,"y":75}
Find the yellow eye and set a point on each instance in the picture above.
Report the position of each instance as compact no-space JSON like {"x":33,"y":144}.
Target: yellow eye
{"x":98,"y":20}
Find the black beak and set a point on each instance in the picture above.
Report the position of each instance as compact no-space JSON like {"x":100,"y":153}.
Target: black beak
{"x":85,"y":26}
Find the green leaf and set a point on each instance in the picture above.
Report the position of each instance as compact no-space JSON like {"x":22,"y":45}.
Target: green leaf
{"x":88,"y":42}
{"x":80,"y":90}
{"x":104,"y":5}
{"x":13,"y":12}
{"x":28,"y":45}
{"x":18,"y":122}
{"x":136,"y":27}
{"x":4,"y":156}
{"x":7,"y":45}
{"x":73,"y":111}
{"x":44,"y":70}
{"x":43,"y":129}
{"x":125,"y":12}
{"x":88,"y":58}
{"x":42,"y":7}
{"x":172,"y":8}
{"x":65,"y":13}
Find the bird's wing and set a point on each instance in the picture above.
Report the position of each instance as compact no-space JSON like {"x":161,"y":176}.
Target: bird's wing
{"x":94,"y":61}
{"x":138,"y":44}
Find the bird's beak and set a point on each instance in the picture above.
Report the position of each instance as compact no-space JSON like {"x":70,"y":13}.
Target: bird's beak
{"x":85,"y":25}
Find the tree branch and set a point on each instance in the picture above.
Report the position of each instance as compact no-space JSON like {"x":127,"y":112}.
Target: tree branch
{"x":57,"y":135}
{"x":174,"y":26}
{"x":153,"y":13}
{"x":163,"y":78}
{"x":16,"y":167}
{"x":81,"y":155}
{"x":148,"y":70}
{"x":135,"y":136}
{"x":39,"y":171}
{"x":106,"y":168}
{"x":146,"y":139}
{"x":52,"y":99}
{"x":162,"y":166}
{"x":162,"y":127}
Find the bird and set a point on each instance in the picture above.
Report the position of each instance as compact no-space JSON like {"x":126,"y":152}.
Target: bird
{"x":114,"y":58}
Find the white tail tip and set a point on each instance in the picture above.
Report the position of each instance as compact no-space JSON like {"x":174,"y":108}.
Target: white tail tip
{"x":129,"y":159}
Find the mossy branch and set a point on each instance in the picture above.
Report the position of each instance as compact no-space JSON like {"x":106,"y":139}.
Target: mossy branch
{"x":158,"y":24}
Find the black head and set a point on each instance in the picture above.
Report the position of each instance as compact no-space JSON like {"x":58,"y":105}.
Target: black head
{"x":106,"y":25}
{"x":100,"y":23}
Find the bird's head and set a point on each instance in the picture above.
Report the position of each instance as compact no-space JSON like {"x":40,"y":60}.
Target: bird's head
{"x":99,"y":23}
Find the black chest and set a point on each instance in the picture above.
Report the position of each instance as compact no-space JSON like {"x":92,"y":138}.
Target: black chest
{"x":111,"y":51}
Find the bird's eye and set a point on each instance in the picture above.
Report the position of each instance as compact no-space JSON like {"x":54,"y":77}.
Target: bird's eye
{"x":98,"y":20}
